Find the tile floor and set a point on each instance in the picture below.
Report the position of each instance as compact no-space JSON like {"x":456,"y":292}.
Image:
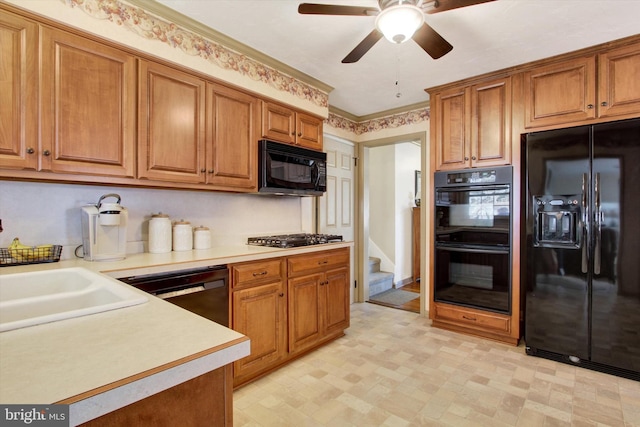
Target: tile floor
{"x":393,"y":369}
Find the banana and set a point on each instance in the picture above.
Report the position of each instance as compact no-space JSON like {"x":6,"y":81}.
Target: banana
{"x":21,"y":252}
{"x":44,"y":251}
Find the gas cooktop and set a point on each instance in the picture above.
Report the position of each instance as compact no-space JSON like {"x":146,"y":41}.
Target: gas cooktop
{"x":293,"y":240}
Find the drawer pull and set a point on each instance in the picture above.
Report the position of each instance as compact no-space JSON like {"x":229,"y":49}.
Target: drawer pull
{"x":323,"y":262}
{"x":281,"y":294}
{"x":262,"y":273}
{"x":469,"y":318}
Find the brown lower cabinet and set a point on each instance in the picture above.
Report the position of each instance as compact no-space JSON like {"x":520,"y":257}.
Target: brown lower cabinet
{"x":287,"y":307}
{"x":206,"y":400}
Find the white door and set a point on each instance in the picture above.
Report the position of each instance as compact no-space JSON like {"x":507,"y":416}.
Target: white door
{"x":336,"y":208}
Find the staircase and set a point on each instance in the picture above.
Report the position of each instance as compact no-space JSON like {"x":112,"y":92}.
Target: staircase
{"x":379,"y":281}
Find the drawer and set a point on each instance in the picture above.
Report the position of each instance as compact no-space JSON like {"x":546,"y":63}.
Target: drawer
{"x":256,"y":272}
{"x":473,"y":318}
{"x":320,"y":261}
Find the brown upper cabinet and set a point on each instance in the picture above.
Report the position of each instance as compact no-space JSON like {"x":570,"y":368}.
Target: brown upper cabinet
{"x":233,"y":120}
{"x":619,"y":82}
{"x":171,"y":124}
{"x":87,"y":100}
{"x":283,"y":124}
{"x":472,"y":125}
{"x":18,"y":96}
{"x":197,"y":132}
{"x":582,"y":89}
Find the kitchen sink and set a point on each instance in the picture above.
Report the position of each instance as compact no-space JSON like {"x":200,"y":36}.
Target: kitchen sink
{"x":33,"y":298}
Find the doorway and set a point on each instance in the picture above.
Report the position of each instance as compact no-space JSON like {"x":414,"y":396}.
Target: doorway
{"x":369,"y":208}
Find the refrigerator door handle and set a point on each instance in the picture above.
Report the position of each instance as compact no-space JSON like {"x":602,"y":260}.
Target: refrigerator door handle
{"x":585,"y":222}
{"x":597,"y":255}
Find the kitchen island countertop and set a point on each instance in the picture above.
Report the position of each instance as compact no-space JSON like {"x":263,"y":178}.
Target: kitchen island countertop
{"x":101,"y":362}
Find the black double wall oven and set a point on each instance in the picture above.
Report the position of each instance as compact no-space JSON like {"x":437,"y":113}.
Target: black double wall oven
{"x":473,"y":211}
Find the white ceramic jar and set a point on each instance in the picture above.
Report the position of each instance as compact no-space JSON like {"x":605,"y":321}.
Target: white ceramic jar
{"x":182,"y":236}
{"x":159,"y":234}
{"x":201,"y":238}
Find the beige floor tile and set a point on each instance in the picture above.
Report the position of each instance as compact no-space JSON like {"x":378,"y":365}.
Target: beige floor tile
{"x":393,"y":369}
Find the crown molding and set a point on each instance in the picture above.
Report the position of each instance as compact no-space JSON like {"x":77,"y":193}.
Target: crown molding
{"x":381,"y":114}
{"x":190,"y":24}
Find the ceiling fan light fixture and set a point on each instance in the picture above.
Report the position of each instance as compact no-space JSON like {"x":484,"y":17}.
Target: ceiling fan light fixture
{"x":399,"y":23}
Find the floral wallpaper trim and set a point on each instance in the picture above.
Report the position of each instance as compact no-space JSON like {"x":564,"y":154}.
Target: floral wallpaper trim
{"x":374,"y":125}
{"x":150,"y":27}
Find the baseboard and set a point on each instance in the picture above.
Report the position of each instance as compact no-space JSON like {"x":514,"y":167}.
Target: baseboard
{"x":403,"y":282}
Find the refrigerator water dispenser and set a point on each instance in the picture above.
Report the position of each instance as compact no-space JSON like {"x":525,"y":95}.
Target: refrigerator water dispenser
{"x":557,"y":221}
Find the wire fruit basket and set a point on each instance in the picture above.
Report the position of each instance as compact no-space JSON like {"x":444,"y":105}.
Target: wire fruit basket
{"x":34,"y":255}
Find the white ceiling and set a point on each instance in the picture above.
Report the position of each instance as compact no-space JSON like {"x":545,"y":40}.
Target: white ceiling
{"x":485,"y":37}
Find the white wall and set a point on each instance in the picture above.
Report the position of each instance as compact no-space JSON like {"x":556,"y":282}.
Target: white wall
{"x":391,"y":195}
{"x":407,"y":162}
{"x":40,"y":213}
{"x":381,"y":206}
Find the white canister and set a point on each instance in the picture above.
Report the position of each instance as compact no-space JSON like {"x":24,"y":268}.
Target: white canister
{"x":201,"y":238}
{"x":159,"y":234}
{"x":182,"y":236}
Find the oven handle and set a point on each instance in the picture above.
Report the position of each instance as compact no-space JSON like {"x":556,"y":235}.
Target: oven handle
{"x":474,"y":250}
{"x":472,"y":188}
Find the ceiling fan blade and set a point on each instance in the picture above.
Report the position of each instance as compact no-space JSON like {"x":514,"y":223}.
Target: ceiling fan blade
{"x":442,"y":5}
{"x":363,"y":47}
{"x":331,"y":9}
{"x":431,"y":41}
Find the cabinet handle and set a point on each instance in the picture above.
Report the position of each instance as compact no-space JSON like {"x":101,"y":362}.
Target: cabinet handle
{"x":604,"y":103}
{"x":466,"y":158}
{"x":473,"y":157}
{"x":203,"y":170}
{"x":30,"y":150}
{"x":299,"y":133}
{"x":262,"y":273}
{"x":281,"y":294}
{"x":46,"y":152}
{"x":324,"y":283}
{"x":590,"y":106}
{"x":210,"y":170}
{"x":469,"y":318}
{"x":293,"y":133}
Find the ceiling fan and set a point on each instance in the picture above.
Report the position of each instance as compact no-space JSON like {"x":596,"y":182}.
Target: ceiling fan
{"x":397,"y":21}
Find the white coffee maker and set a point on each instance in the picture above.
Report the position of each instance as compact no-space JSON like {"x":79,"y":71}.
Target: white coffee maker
{"x":104,"y":230}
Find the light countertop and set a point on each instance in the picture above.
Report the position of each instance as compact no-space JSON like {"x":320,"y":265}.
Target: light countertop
{"x":91,"y":362}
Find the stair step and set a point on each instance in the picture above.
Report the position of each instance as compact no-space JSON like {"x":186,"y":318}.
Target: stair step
{"x":374,"y":264}
{"x":380,"y":281}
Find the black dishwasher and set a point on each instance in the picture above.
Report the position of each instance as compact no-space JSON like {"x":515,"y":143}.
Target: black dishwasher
{"x":203,"y":291}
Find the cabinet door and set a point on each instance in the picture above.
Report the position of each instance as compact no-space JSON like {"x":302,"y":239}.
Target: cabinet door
{"x":619,"y":82}
{"x":335,"y":301}
{"x":171,"y":124}
{"x":18,"y":91}
{"x":560,"y":93}
{"x":305,"y":329}
{"x":491,"y":123}
{"x":232,"y":126}
{"x":260,"y":313}
{"x":451,"y":126}
{"x":308,"y":131}
{"x":88,"y":106}
{"x":278,"y":123}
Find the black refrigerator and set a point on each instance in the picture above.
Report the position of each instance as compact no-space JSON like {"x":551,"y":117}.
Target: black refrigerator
{"x":581,"y":260}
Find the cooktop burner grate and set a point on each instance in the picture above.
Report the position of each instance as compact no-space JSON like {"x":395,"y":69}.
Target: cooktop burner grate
{"x":293,"y":240}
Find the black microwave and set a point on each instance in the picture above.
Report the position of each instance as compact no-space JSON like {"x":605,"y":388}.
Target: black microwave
{"x":290,"y":170}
